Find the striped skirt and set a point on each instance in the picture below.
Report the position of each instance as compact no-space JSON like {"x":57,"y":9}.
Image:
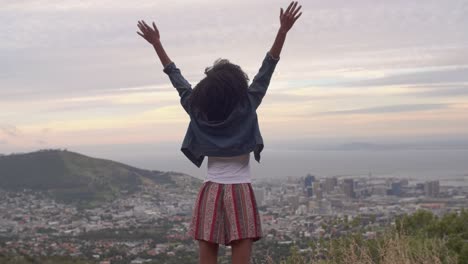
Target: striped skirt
{"x":224,"y":213}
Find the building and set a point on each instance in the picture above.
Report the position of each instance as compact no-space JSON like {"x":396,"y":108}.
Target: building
{"x":293,"y":201}
{"x":317,"y":191}
{"x":330,"y":184}
{"x":395,"y":188}
{"x":308,"y":182}
{"x":348,"y":187}
{"x":431,"y":188}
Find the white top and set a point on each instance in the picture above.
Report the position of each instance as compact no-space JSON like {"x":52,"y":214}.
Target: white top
{"x":229,"y":170}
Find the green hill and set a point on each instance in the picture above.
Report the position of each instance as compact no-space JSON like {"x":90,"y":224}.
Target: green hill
{"x":71,"y":177}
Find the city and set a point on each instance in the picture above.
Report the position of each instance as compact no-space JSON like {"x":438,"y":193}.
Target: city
{"x":152,"y":224}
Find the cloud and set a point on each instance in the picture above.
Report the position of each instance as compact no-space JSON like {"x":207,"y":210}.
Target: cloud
{"x":440,"y":91}
{"x":43,"y":134}
{"x":10,"y":130}
{"x":78,"y":66}
{"x":389,"y":109}
{"x":102,"y":51}
{"x":41,"y":142}
{"x":120,"y":100}
{"x":86,"y":5}
{"x":440,"y":76}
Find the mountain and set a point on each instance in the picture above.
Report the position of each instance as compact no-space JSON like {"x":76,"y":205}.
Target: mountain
{"x":75,"y":178}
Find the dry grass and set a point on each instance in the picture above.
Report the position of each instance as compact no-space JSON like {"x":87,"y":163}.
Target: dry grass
{"x":392,"y":249}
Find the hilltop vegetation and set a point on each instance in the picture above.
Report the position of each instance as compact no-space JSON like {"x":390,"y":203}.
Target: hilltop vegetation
{"x":74,"y":178}
{"x":421,"y":238}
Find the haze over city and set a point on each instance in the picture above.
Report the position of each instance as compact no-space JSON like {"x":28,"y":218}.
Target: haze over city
{"x":391,"y":76}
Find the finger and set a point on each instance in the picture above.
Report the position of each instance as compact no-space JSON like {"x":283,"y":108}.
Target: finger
{"x":297,"y":16}
{"x":297,"y":11}
{"x":289,"y":7}
{"x":146,"y":26}
{"x":140,"y":25}
{"x":154,"y":26}
{"x":141,"y":35}
{"x":281,"y":12}
{"x":142,"y":28}
{"x":293,"y":9}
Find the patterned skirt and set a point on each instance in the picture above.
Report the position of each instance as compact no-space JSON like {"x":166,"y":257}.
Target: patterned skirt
{"x":224,"y":213}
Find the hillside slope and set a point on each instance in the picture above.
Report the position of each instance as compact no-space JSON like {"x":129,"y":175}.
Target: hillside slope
{"x":73,"y":177}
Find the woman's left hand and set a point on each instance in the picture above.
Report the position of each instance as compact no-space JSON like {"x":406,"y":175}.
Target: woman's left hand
{"x":150,"y":34}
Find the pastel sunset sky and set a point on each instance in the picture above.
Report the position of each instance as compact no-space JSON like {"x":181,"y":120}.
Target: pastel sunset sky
{"x":76,"y":74}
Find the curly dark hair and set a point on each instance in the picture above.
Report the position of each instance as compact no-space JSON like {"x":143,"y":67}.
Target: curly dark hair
{"x":224,"y":87}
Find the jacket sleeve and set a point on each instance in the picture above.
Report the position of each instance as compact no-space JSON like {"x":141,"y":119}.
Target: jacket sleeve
{"x":259,"y":85}
{"x":182,"y":86}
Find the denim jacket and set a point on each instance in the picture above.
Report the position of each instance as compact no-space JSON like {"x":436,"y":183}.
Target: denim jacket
{"x":238,"y":134}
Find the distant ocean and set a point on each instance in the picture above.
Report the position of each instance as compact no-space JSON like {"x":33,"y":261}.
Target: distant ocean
{"x":445,"y":165}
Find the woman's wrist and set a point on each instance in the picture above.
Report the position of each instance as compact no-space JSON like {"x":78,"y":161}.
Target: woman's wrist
{"x":157,"y":43}
{"x":282,"y":31}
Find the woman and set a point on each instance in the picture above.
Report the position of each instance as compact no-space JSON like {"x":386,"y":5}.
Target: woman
{"x":224,"y":127}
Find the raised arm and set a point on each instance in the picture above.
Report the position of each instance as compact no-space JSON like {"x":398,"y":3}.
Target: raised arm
{"x":287,"y":20}
{"x":261,"y":81}
{"x":152,"y":36}
{"x":178,"y":81}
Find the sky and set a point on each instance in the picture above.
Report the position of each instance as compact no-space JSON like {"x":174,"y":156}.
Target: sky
{"x":74,"y":74}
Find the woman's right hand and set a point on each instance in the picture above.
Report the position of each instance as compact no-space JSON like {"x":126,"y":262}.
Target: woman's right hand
{"x":150,"y":34}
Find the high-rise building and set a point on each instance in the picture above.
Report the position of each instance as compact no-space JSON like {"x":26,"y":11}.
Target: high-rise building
{"x":308,"y":182}
{"x":330,"y":184}
{"x":317,"y":191}
{"x":395,"y":188}
{"x":431,"y":188}
{"x":348,"y":187}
